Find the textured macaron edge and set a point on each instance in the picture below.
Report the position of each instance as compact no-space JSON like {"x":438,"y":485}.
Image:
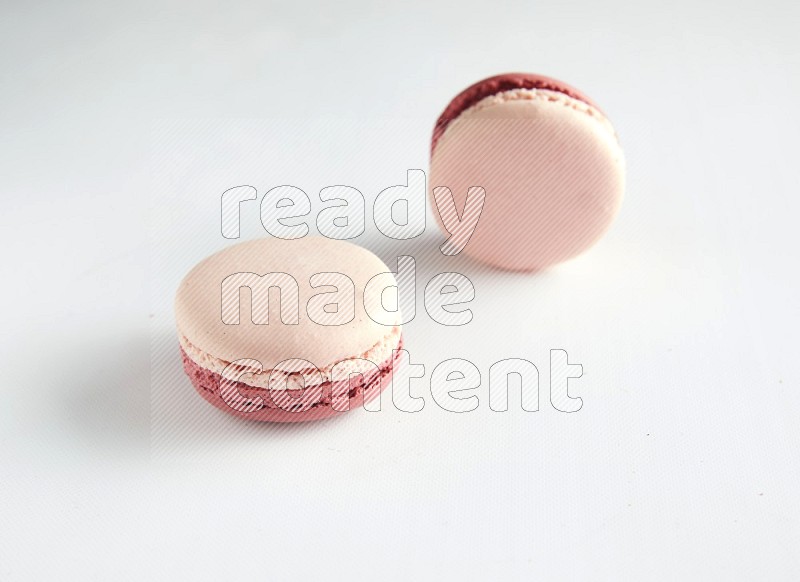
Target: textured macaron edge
{"x":314,"y":403}
{"x":377,"y":353}
{"x":500,"y":84}
{"x":547,"y":96}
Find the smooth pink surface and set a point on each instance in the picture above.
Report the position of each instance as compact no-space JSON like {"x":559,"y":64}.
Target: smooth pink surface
{"x":552,"y":170}
{"x":198,"y":303}
{"x":207,"y":384}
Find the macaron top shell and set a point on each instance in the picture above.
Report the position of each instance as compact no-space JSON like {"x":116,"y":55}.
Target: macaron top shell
{"x":499,"y":84}
{"x":199,"y":304}
{"x":552,"y":169}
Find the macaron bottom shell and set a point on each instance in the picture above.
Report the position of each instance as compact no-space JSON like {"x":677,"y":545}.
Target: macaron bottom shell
{"x":314,"y":403}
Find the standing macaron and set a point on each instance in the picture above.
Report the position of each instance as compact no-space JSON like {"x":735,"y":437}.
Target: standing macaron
{"x":548,"y":160}
{"x":282,"y":330}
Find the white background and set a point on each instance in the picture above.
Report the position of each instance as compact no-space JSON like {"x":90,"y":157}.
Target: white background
{"x":121,"y":125}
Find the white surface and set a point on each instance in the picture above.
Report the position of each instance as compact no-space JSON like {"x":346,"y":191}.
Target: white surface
{"x":682,"y":463}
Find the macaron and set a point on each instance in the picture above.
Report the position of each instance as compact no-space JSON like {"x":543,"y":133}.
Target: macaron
{"x":548,"y":160}
{"x":281,"y":330}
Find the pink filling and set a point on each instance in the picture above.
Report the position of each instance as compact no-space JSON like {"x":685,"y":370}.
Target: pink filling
{"x":316,"y":402}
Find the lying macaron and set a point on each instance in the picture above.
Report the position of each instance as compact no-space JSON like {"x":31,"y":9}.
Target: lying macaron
{"x":548,"y":160}
{"x":280,"y":330}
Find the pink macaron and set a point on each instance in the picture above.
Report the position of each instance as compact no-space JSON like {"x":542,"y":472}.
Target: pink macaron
{"x":280,"y":330}
{"x":549,"y":163}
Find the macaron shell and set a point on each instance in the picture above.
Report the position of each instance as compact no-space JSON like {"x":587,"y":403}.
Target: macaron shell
{"x":499,"y":84}
{"x":552,"y":169}
{"x":198,"y":303}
